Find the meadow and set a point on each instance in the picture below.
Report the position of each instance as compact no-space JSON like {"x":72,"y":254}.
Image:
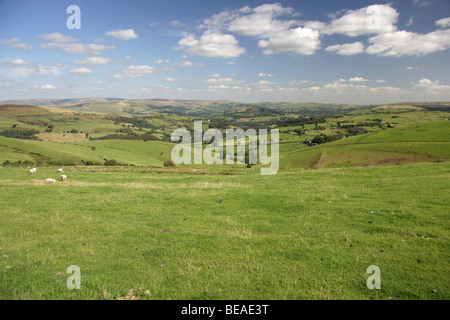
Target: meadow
{"x":142,"y":233}
{"x":143,"y":230}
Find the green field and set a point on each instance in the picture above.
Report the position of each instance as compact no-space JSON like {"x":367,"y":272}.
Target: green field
{"x":209,"y":236}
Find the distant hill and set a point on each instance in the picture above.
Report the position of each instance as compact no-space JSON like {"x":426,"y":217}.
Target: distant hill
{"x":184,"y":107}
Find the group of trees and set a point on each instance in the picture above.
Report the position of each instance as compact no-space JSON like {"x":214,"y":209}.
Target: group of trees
{"x":139,"y":122}
{"x":130,"y":134}
{"x":20,"y":133}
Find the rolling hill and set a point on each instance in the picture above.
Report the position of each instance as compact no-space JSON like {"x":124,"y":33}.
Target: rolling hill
{"x":395,"y":133}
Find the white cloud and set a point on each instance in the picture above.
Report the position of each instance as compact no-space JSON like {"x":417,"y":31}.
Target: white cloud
{"x":421,"y":3}
{"x":299,"y":82}
{"x":122,"y":34}
{"x":347,"y":49}
{"x":13,"y":43}
{"x":81,"y":70}
{"x":176,"y":23}
{"x":133,"y":71}
{"x":433,"y":86}
{"x":266,"y":83}
{"x":443,"y":23}
{"x":78,"y":48}
{"x":404,"y":43}
{"x":23,"y":68}
{"x":300,"y":40}
{"x":410,"y":22}
{"x":187,"y":63}
{"x":357,"y":79}
{"x":379,"y":18}
{"x":93,"y":61}
{"x":276,"y":33}
{"x":56,"y":37}
{"x":161,"y":61}
{"x":261,"y":21}
{"x":45,"y":87}
{"x":269,"y":75}
{"x":212,"y":45}
{"x":172,"y":80}
{"x":216,"y":80}
{"x":18,"y":62}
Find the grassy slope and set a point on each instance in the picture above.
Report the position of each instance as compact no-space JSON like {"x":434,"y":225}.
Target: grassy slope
{"x":168,"y":234}
{"x":128,"y":152}
{"x":417,"y":143}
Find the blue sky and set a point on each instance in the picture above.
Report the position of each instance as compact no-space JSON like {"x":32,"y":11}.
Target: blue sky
{"x":355,"y":52}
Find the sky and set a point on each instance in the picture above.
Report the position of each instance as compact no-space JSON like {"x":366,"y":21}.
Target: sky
{"x":324,"y":51}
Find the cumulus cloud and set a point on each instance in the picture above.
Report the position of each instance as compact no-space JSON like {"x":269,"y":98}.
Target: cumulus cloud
{"x":14,"y":43}
{"x":212,"y":45}
{"x":404,"y":43}
{"x":161,"y":61}
{"x":122,"y":34}
{"x":357,"y":79}
{"x":374,"y":19}
{"x":187,"y":63}
{"x":443,"y":23}
{"x":299,"y":40}
{"x":216,"y":80}
{"x":23,"y":68}
{"x":45,"y":87}
{"x":433,"y":86}
{"x":261,"y":21}
{"x":78,"y":48}
{"x":93,"y":61}
{"x":56,"y":37}
{"x":81,"y":70}
{"x":347,"y":49}
{"x":133,"y":71}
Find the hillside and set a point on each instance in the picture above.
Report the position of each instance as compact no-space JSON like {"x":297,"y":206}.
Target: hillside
{"x":365,"y":135}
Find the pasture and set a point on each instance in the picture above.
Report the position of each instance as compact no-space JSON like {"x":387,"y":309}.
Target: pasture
{"x":147,"y":233}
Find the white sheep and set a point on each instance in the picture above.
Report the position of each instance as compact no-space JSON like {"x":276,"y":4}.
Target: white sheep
{"x":31,"y":171}
{"x":50,"y":180}
{"x":63,"y":177}
{"x":59,"y":170}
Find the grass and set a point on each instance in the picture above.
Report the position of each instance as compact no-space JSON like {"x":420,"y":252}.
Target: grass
{"x":172,"y":235}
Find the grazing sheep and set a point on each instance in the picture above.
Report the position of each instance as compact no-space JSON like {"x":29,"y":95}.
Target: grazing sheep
{"x":59,"y":170}
{"x":34,"y":169}
{"x":63,"y":177}
{"x":50,"y":180}
{"x":31,"y":171}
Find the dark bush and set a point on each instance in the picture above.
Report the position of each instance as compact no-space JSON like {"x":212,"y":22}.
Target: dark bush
{"x":112,"y":162}
{"x":169,"y":163}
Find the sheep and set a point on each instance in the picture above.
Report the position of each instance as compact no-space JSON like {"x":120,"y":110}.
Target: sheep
{"x":59,"y":170}
{"x":31,"y":171}
{"x":63,"y":177}
{"x":50,"y":180}
{"x":34,"y":169}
